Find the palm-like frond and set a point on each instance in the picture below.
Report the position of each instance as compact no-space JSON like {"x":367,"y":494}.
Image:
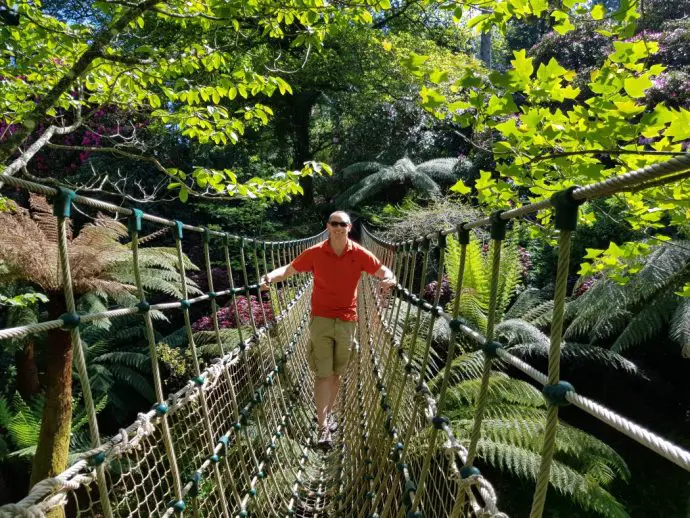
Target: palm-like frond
{"x":680,"y":326}
{"x":440,"y":170}
{"x":367,"y":179}
{"x":512,"y":435}
{"x":525,"y":463}
{"x":101,"y":263}
{"x":633,"y":314}
{"x":355,"y":172}
{"x":474,"y":297}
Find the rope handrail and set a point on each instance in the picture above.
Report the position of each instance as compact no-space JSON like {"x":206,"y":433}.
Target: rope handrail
{"x":126,"y":211}
{"x":605,"y":187}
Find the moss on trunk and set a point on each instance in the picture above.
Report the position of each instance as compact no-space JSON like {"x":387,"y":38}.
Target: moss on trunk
{"x":56,"y":422}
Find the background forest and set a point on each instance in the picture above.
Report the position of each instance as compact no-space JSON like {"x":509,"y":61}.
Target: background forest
{"x":260,"y":118}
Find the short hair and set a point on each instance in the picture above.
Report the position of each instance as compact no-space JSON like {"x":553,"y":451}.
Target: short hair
{"x":341,"y":213}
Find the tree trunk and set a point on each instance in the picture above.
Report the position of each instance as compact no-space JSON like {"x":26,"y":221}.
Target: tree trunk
{"x":301,"y":120}
{"x":56,"y":421}
{"x":27,"y":372}
{"x":485,"y":48}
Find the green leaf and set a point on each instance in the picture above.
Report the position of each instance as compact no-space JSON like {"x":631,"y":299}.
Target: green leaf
{"x":635,"y":86}
{"x":461,"y":188}
{"x":598,"y":12}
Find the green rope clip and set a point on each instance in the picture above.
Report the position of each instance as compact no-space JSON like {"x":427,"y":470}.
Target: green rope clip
{"x":195,"y":479}
{"x":207,"y":235}
{"x":368,"y":461}
{"x":179,"y":506}
{"x":555,"y":394}
{"x":70,"y":321}
{"x":463,"y":234}
{"x":498,"y":226}
{"x":437,"y":311}
{"x":566,"y":209}
{"x":491,"y":349}
{"x":62,"y":204}
{"x":97,"y":459}
{"x":211,"y":294}
{"x":469,"y":471}
{"x":440,"y":420}
{"x":278,"y":435}
{"x":134,"y":221}
{"x":414,"y":514}
{"x":243,"y":513}
{"x":291,"y":511}
{"x":237,"y":426}
{"x":401,"y":466}
{"x":261,"y":474}
{"x":410,"y":487}
{"x":225,"y":440}
{"x":215,"y":458}
{"x":185,"y":304}
{"x":252,"y":492}
{"x":161,"y":409}
{"x":456,"y":323}
{"x":143,"y":306}
{"x":198,"y":380}
{"x":371,"y":495}
{"x":179,"y":228}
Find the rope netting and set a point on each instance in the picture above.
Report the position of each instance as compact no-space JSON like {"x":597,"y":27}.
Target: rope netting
{"x":240,"y":438}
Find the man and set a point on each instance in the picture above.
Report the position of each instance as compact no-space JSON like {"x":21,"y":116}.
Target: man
{"x":337,"y":264}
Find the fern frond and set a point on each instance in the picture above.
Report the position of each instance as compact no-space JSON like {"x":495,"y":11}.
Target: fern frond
{"x":574,"y":354}
{"x":440,"y":170}
{"x":649,"y":322}
{"x":680,"y":326}
{"x":525,"y":464}
{"x":516,"y":331}
{"x":355,"y":172}
{"x":527,"y":300}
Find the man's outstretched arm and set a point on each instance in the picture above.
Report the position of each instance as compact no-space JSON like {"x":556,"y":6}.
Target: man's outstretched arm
{"x":279,"y":274}
{"x":387,"y":277}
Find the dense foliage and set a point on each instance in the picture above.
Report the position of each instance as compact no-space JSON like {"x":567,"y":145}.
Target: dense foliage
{"x":214,"y":112}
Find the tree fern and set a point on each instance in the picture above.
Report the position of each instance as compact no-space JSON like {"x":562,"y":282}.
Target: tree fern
{"x":364,"y":180}
{"x":566,"y":480}
{"x":512,"y":436}
{"x":633,"y":314}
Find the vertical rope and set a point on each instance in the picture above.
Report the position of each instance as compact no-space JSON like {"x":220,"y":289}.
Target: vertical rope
{"x":161,"y":407}
{"x":497,"y":235}
{"x":221,"y":348}
{"x":197,"y":370}
{"x":566,"y":213}
{"x":62,"y":211}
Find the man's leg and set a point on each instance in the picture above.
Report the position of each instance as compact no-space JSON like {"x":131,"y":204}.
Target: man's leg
{"x":322,"y":395}
{"x":335,"y":387}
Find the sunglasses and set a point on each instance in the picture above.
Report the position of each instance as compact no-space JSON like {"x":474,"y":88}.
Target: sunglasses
{"x":338,"y":224}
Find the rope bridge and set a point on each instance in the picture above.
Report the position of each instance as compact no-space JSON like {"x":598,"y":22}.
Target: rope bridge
{"x":239,"y":439}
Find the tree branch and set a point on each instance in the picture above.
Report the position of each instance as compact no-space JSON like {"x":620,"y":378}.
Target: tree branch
{"x":124,"y":59}
{"x":33,"y":119}
{"x":551,"y":156}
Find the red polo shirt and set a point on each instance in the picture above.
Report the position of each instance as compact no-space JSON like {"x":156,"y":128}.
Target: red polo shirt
{"x":336,"y":278}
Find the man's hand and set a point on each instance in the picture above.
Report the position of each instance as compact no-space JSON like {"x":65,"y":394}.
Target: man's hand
{"x":265,"y":283}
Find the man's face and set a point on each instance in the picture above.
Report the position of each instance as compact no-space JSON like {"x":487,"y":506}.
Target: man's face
{"x":338,"y":226}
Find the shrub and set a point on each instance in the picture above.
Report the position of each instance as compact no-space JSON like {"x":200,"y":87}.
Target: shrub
{"x":246,"y":307}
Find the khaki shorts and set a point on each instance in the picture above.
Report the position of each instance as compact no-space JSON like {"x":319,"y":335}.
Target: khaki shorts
{"x":330,"y":343}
